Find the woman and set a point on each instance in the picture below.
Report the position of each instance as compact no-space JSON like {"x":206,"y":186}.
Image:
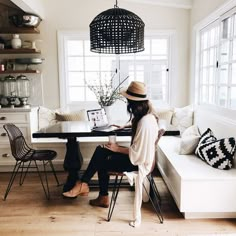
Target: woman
{"x":112,"y":157}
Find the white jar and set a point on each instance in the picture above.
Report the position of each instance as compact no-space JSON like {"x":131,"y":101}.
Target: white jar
{"x":16,"y":41}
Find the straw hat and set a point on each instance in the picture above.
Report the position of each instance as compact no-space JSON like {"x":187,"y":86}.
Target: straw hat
{"x":136,"y":91}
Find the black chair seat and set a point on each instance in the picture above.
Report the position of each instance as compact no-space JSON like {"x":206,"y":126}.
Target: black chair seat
{"x":44,"y":155}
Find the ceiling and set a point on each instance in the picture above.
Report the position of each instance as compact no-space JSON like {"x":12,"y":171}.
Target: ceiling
{"x":186,"y":4}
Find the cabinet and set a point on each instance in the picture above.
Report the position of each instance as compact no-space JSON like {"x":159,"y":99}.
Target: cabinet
{"x":21,"y":118}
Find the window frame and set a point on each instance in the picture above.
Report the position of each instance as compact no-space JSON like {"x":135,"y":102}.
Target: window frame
{"x":64,"y":35}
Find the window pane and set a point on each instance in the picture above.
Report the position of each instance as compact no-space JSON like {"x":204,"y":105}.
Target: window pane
{"x":224,"y":53}
{"x":226,"y":28}
{"x":204,"y":94}
{"x":87,"y":51}
{"x":233,"y":73}
{"x":76,"y":78}
{"x":213,"y":37}
{"x":91,"y":76}
{"x":212,"y":94}
{"x":75,"y":64}
{"x":233,"y":98}
{"x":234,"y":24}
{"x":223,"y":96}
{"x":159,"y":46}
{"x":204,"y":79}
{"x":223,"y":74}
{"x":108,"y":63}
{"x":75,"y":47}
{"x":204,"y":59}
{"x":212,"y":60}
{"x":92,"y":63}
{"x":90,"y":96}
{"x":76,"y":94}
{"x":204,"y":40}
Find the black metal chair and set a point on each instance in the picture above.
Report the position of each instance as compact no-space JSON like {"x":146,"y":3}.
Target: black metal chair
{"x":25,"y":156}
{"x":153,"y":194}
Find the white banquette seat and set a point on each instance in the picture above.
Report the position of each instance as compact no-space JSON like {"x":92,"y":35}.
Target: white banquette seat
{"x":199,"y":190}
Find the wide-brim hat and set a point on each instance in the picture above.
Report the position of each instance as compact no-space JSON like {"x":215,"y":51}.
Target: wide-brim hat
{"x":135,"y":92}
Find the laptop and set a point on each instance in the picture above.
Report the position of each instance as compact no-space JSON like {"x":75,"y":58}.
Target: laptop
{"x":99,"y":121}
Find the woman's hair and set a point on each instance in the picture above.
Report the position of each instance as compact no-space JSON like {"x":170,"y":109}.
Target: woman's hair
{"x":137,"y":110}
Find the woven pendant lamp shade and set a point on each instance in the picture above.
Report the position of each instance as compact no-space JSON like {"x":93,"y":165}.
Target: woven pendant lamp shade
{"x":117,"y":31}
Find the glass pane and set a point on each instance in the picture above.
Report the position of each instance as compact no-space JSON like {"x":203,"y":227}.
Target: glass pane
{"x":204,"y":59}
{"x":75,"y":64}
{"x":204,"y":41}
{"x":234,"y":17}
{"x":75,"y":47}
{"x":223,"y":96}
{"x":91,"y":77}
{"x":76,"y":78}
{"x":213,"y":35}
{"x":204,"y":79}
{"x":233,"y":73}
{"x":224,"y":53}
{"x":212,"y":60}
{"x":223,"y":74}
{"x":212,"y":94}
{"x":159,"y":46}
{"x":156,"y":93}
{"x":233,"y":98}
{"x":204,"y":94}
{"x":76,"y":94}
{"x":162,"y":57}
{"x":226,"y":28}
{"x":87,"y":51}
{"x":108,"y":63}
{"x":211,"y":76}
{"x":234,"y":50}
{"x":140,"y":76}
{"x":146,"y":47}
{"x":91,"y":63}
{"x":90,"y":96}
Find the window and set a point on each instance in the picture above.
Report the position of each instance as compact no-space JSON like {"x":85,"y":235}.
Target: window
{"x":217,"y":67}
{"x":79,"y":67}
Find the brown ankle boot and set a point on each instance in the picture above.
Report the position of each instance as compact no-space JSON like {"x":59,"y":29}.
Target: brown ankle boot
{"x":100,"y":201}
{"x":80,"y":189}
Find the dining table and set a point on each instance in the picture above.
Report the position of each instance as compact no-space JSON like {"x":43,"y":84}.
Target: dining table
{"x":71,"y":131}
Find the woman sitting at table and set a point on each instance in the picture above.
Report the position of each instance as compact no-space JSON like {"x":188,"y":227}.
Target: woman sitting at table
{"x":112,"y":157}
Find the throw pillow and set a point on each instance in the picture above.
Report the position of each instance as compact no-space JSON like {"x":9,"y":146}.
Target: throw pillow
{"x":183,"y":118}
{"x":46,"y":117}
{"x":189,"y":140}
{"x":217,"y":153}
{"x":165,"y":115}
{"x":76,"y":116}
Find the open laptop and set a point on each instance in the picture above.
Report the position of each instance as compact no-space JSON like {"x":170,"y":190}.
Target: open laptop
{"x":99,"y":120}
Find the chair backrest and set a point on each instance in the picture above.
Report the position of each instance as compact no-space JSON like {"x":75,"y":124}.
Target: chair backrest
{"x":19,"y":148}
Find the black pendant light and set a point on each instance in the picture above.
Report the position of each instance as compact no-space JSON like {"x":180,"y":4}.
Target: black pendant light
{"x":117,"y":31}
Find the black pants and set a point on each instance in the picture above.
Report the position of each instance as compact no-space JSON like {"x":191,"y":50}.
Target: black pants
{"x":103,"y":161}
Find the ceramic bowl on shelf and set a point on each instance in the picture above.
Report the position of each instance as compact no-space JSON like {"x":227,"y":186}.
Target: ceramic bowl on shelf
{"x":25,"y":20}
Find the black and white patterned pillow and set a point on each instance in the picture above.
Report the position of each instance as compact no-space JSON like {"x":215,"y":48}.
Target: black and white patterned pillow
{"x":217,"y":153}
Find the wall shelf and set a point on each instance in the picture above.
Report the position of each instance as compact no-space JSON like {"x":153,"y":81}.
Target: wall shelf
{"x":20,"y":72}
{"x":19,"y":51}
{"x":19,"y":30}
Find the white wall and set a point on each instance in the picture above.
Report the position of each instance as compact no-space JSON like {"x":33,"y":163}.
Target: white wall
{"x":77,"y":14}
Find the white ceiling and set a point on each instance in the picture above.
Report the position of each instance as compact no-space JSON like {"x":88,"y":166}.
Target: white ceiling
{"x":186,"y":4}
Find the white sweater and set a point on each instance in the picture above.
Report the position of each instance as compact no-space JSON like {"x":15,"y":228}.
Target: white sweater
{"x":142,"y":154}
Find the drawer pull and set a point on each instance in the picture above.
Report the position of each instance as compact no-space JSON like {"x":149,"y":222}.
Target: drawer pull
{"x":5,"y":155}
{"x":3,"y":134}
{"x":3,"y":118}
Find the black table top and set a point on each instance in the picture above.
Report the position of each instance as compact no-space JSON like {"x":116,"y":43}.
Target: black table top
{"x":72,"y":129}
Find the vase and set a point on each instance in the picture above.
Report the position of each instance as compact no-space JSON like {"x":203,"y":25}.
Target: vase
{"x":108,"y":113}
{"x":16,"y":41}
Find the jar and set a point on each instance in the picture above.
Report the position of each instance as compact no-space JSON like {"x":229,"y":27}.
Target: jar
{"x":9,"y":86}
{"x":16,"y":41}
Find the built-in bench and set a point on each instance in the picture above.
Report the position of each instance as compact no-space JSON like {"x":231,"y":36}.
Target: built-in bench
{"x":199,"y":190}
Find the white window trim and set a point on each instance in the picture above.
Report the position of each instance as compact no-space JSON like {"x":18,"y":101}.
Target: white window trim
{"x":216,"y":15}
{"x":63,"y":34}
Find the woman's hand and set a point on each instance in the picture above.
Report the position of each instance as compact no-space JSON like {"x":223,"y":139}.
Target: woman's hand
{"x":114,"y":147}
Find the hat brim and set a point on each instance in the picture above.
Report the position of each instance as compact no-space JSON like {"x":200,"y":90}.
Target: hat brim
{"x":130,"y":97}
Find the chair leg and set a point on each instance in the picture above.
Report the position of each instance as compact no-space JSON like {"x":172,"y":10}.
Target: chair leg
{"x":54,"y":172}
{"x":45,"y":189}
{"x":156,"y":198}
{"x":13,"y":176}
{"x":24,"y":173}
{"x":115,"y":192}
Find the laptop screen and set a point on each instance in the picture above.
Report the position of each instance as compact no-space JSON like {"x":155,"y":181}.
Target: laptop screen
{"x":98,"y":117}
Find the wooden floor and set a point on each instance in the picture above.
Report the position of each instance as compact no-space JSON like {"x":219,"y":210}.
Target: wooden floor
{"x":27,"y":212}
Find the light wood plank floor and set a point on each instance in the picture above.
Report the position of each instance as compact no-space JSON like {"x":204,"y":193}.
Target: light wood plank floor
{"x":27,"y":212}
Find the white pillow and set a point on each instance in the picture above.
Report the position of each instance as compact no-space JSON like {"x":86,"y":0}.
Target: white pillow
{"x":165,"y":115}
{"x":189,"y":140}
{"x":183,"y":118}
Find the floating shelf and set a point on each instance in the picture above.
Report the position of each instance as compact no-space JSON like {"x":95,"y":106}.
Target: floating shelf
{"x":20,"y":72}
{"x":19,"y":51}
{"x":19,"y":30}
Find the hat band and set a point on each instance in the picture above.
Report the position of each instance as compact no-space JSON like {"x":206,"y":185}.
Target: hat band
{"x":136,"y":94}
